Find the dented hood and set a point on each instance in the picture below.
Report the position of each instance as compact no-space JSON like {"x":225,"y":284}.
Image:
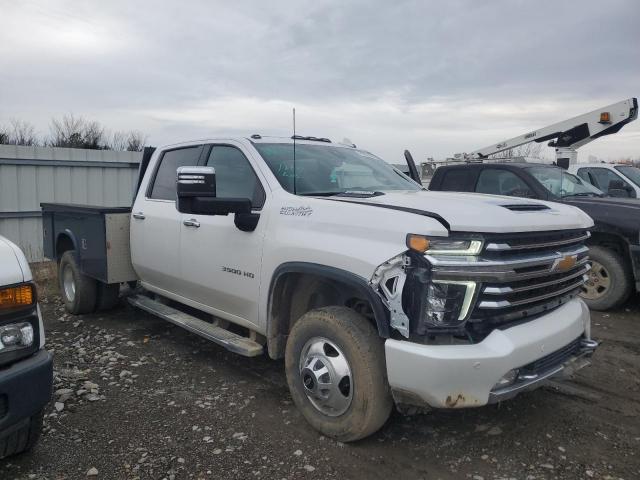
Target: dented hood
{"x":474,"y":212}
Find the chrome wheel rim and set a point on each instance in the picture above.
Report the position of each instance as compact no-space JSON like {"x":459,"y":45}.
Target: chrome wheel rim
{"x":326,"y":376}
{"x":598,"y":283}
{"x":68,"y":283}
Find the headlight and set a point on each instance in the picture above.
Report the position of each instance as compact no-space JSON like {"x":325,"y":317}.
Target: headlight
{"x":443,"y":246}
{"x":15,"y":336}
{"x":16,"y":297}
{"x":448,"y":302}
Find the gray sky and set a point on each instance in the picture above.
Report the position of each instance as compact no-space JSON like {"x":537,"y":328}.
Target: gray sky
{"x":435,"y":77}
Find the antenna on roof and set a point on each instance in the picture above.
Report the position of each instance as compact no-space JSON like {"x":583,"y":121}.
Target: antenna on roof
{"x":294,"y":151}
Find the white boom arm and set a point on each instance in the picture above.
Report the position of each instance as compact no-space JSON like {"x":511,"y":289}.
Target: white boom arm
{"x":569,"y":135}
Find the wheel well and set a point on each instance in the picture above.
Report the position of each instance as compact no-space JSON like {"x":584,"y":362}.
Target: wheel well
{"x":612,"y":242}
{"x":294,"y":294}
{"x":63,"y":244}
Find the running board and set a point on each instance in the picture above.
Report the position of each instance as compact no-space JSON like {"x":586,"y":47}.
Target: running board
{"x":229,"y":340}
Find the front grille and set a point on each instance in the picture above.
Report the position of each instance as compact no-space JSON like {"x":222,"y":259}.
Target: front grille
{"x":520,"y":276}
{"x":552,"y":360}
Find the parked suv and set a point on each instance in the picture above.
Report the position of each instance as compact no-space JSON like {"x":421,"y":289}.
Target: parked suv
{"x":26,"y":368}
{"x":373,"y":289}
{"x":614,"y":242}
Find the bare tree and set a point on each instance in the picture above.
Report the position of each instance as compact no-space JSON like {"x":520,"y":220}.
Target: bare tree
{"x":23,"y":133}
{"x":136,"y":141}
{"x":4,"y":135}
{"x":66,"y":132}
{"x":76,"y":132}
{"x":93,"y":136}
{"x":117,"y":141}
{"x":532,"y":150}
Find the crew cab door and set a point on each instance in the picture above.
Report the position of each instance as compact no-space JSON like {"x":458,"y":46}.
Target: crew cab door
{"x":155,"y":222}
{"x":220,"y":264}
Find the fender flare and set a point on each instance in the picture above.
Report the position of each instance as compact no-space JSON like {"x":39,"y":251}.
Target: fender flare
{"x":67,"y":233}
{"x":360,"y":284}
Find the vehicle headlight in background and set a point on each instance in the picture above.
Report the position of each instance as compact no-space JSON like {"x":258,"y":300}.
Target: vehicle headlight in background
{"x":18,"y":296}
{"x":443,"y":246}
{"x":448,"y":302}
{"x":15,"y":336}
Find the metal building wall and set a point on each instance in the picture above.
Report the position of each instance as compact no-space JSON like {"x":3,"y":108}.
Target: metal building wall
{"x":31,"y":175}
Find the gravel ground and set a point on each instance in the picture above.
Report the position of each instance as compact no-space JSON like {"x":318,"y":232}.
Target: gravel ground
{"x":139,"y":398}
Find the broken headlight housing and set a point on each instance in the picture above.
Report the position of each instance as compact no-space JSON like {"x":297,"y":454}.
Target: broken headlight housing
{"x":448,"y":302}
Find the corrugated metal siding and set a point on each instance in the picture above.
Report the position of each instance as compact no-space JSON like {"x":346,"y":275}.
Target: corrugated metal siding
{"x":32,"y":175}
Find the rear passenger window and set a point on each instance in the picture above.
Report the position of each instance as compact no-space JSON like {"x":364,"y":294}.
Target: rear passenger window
{"x":456,"y":181}
{"x":164,"y":184}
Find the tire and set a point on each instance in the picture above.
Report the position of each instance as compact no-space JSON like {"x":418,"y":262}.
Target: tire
{"x":609,"y":283}
{"x":80,"y":292}
{"x":24,"y":439}
{"x":108,"y":296}
{"x":338,"y":335}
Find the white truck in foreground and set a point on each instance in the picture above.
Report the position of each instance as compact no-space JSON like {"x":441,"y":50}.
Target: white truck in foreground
{"x":371,"y":288}
{"x":26,"y":368}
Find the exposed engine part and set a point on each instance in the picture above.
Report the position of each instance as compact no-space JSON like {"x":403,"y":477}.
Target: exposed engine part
{"x":388,"y":282}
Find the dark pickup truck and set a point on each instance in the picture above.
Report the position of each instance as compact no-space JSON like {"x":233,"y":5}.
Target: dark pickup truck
{"x":614,"y":245}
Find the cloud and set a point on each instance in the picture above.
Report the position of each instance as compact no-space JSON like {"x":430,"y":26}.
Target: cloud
{"x":438,"y":77}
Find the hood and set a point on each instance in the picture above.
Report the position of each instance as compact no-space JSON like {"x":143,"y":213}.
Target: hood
{"x":474,"y":212}
{"x":11,"y":260}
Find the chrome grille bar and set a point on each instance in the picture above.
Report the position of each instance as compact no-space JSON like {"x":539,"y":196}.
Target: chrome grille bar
{"x":507,"y":289}
{"x":507,"y":303}
{"x":506,"y":247}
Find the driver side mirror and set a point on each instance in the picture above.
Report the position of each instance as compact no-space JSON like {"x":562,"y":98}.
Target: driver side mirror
{"x":617,"y":188}
{"x":196,"y":193}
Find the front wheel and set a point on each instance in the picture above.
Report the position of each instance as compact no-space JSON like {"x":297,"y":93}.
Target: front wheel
{"x":609,"y":283}
{"x":336,"y":373}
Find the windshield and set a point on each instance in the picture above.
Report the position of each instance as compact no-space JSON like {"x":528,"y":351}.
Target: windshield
{"x":562,"y":183}
{"x":324,"y":170}
{"x":632,"y":173}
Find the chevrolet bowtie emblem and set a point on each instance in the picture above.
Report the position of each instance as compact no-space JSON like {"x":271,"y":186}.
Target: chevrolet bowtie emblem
{"x":565,"y":263}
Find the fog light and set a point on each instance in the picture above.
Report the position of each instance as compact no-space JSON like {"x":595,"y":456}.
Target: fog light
{"x":507,"y":379}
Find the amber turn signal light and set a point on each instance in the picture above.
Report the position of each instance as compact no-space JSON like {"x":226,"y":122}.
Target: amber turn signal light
{"x":417,"y":243}
{"x":605,"y":117}
{"x":20,"y":296}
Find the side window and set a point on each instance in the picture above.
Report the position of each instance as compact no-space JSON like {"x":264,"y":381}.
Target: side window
{"x":583,"y":173}
{"x":604,"y":176}
{"x":502,"y":182}
{"x":164,"y":182}
{"x":234,"y":176}
{"x":456,"y":180}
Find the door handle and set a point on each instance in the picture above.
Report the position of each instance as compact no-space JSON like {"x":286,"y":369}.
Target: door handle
{"x":192,"y":222}
{"x":138,"y":216}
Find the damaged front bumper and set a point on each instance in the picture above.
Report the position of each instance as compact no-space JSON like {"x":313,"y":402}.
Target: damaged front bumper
{"x":457,"y":376}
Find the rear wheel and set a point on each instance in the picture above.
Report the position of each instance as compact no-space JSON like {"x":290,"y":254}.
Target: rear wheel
{"x":609,"y":283}
{"x":78,"y":291}
{"x":337,"y":374}
{"x":23,"y":439}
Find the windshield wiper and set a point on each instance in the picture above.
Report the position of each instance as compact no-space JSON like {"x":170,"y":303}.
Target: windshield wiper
{"x":583,"y":194}
{"x":360,"y":194}
{"x":347,"y":193}
{"x":319,"y":194}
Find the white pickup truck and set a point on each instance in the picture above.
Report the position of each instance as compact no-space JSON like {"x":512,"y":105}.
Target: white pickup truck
{"x":26,"y":368}
{"x":373,"y":289}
